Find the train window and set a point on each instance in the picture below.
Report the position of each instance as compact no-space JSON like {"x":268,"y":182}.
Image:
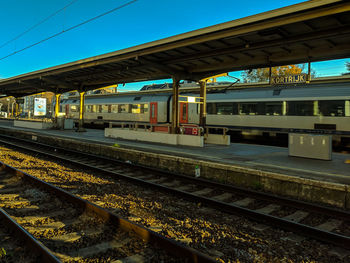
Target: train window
{"x":74,"y":108}
{"x":211,"y":108}
{"x":226,"y":108}
{"x":331,"y":107}
{"x":273,"y":108}
{"x":104,"y":109}
{"x":248,"y":108}
{"x":135,"y":108}
{"x":144,"y":108}
{"x":300,"y":108}
{"x":252,"y":108}
{"x":114,"y":109}
{"x":89,"y":108}
{"x":94,"y":108}
{"x":123,"y":108}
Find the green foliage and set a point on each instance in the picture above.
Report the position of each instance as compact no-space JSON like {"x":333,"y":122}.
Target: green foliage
{"x":347,"y":64}
{"x":262,"y":74}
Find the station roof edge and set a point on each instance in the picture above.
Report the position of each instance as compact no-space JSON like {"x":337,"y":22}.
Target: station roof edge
{"x":95,"y":60}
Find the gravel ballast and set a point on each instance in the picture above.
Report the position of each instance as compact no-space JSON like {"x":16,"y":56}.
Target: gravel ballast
{"x":223,"y":236}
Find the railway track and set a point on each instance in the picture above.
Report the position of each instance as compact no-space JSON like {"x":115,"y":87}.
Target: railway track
{"x":60,"y":227}
{"x":308,"y":220}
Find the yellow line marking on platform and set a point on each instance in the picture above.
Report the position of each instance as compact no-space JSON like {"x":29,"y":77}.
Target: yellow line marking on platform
{"x":300,"y":170}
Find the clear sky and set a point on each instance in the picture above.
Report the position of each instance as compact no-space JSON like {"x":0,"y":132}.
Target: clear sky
{"x":138,"y":23}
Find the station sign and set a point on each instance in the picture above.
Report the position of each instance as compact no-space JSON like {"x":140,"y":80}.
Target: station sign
{"x":39,"y":106}
{"x":300,"y":78}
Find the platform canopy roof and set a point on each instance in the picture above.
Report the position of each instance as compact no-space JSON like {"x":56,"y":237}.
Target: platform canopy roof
{"x":310,"y":31}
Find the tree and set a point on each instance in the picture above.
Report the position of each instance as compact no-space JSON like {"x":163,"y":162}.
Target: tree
{"x":262,"y":74}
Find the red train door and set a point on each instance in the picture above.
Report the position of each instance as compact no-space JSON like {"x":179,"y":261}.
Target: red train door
{"x":153,"y":112}
{"x":183,"y":112}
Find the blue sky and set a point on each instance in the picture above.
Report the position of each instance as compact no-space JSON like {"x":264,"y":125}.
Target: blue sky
{"x":138,"y":23}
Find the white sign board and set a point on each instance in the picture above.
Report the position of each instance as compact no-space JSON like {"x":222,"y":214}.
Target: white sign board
{"x":39,"y":106}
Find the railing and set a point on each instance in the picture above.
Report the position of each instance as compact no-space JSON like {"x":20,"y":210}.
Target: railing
{"x":190,"y":129}
{"x":141,"y":125}
{"x":224,"y":130}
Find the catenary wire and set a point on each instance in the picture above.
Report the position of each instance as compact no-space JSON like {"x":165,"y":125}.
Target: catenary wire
{"x":69,"y":29}
{"x":38,"y":24}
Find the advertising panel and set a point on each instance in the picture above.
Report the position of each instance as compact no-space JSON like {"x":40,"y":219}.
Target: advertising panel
{"x":39,"y":106}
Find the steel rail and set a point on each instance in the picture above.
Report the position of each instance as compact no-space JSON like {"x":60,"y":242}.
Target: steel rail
{"x":315,"y":233}
{"x":341,"y":214}
{"x":44,"y":254}
{"x":147,"y":235}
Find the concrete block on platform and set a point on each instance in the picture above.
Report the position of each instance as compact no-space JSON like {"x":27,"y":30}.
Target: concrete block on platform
{"x":310,"y":146}
{"x":219,"y":139}
{"x":155,"y":137}
{"x":189,"y":140}
{"x":38,"y":125}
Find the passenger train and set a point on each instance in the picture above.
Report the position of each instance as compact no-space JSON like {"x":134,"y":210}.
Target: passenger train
{"x":260,"y":109}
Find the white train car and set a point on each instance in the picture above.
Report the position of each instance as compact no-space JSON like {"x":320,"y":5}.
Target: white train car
{"x":259,"y":110}
{"x":316,"y":108}
{"x":102,"y":109}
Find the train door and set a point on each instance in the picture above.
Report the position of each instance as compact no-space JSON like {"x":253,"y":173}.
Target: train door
{"x":153,"y":112}
{"x":183,"y":112}
{"x":67,"y":110}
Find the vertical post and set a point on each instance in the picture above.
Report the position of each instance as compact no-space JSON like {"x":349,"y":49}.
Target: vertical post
{"x":12,"y":111}
{"x":81,"y":111}
{"x":308,"y":72}
{"x":57,"y":105}
{"x":175,"y":106}
{"x":270,"y":75}
{"x":8,"y":107}
{"x":16,"y":109}
{"x":203,"y":105}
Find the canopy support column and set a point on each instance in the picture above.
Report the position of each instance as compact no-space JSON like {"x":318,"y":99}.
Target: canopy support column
{"x":203,"y":105}
{"x":175,"y":106}
{"x":57,"y":105}
{"x":81,"y":111}
{"x":16,"y":110}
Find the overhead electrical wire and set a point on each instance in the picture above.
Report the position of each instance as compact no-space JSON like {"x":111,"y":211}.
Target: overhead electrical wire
{"x":38,"y":24}
{"x":69,"y":29}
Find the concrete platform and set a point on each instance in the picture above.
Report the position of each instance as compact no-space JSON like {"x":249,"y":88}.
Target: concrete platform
{"x":265,"y":168}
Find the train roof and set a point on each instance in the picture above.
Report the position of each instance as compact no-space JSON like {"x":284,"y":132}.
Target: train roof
{"x":330,"y":91}
{"x":318,"y":88}
{"x":144,"y":98}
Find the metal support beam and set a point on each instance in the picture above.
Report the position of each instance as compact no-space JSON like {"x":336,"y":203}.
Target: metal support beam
{"x":175,"y":106}
{"x":203,"y":106}
{"x":57,"y":106}
{"x":309,"y":72}
{"x":81,"y":111}
{"x":61,"y":85}
{"x":16,"y":110}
